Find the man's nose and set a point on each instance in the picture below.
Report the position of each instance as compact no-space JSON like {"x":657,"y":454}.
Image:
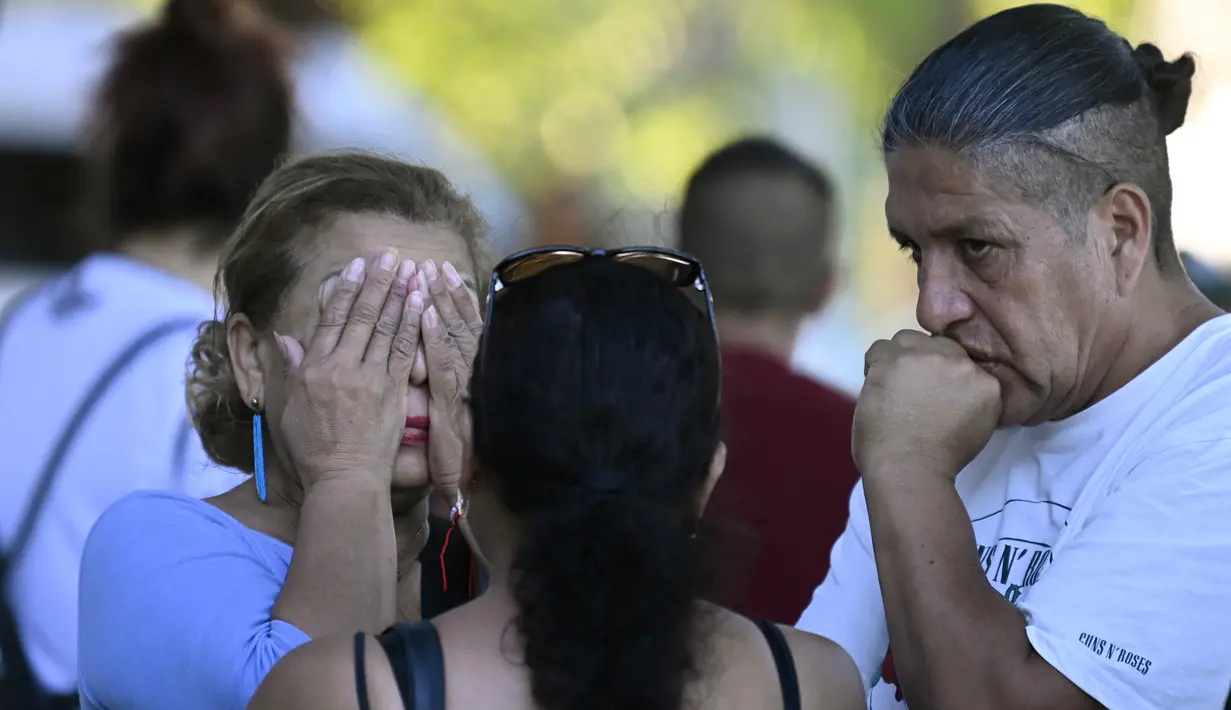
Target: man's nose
{"x":943,"y":301}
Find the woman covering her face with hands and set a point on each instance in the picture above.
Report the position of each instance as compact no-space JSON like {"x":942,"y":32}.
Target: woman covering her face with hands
{"x":337,"y":378}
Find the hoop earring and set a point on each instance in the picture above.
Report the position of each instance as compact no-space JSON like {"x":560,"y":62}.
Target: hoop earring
{"x":258,"y":452}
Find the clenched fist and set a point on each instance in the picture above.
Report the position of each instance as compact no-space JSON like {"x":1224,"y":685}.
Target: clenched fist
{"x":922,"y":398}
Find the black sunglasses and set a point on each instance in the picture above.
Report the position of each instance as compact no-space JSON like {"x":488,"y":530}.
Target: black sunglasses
{"x":675,"y":267}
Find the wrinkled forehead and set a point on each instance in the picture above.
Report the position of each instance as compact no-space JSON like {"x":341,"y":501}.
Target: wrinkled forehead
{"x":932,"y":190}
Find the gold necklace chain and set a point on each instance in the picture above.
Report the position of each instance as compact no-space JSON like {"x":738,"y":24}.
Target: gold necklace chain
{"x":409,"y":545}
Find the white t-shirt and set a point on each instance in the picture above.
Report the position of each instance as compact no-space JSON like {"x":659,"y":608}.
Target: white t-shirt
{"x":1109,"y":530}
{"x":137,"y":436}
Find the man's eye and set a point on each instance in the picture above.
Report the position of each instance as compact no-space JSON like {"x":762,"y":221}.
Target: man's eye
{"x":911,"y":250}
{"x":975,"y":248}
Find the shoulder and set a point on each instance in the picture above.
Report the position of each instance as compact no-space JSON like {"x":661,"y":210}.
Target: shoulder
{"x":828,"y":678}
{"x":145,"y":526}
{"x":321,"y":675}
{"x":151,"y":511}
{"x":1195,"y":386}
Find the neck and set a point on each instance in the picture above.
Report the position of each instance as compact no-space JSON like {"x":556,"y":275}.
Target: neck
{"x":772,"y":334}
{"x":1169,"y":311}
{"x":175,"y":251}
{"x":410,"y":509}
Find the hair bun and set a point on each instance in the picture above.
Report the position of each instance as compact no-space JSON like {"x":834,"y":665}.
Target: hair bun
{"x":1171,"y":82}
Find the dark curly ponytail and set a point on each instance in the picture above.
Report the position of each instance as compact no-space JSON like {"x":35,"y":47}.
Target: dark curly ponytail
{"x":607,"y":587}
{"x":596,"y":422}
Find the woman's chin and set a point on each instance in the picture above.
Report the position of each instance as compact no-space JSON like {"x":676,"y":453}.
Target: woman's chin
{"x":410,"y":468}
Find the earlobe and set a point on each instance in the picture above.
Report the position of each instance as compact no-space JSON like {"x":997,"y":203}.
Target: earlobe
{"x":244,"y":349}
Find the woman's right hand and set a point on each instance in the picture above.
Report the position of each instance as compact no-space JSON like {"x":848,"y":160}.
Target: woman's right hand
{"x":346,"y":391}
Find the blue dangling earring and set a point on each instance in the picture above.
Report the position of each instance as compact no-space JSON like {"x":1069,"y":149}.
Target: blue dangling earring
{"x":258,"y":452}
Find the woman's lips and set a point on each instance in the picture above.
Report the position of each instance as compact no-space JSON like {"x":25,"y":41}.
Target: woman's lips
{"x":415,"y":433}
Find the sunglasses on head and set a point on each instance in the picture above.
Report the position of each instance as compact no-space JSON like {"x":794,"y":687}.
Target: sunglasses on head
{"x":677,"y":268}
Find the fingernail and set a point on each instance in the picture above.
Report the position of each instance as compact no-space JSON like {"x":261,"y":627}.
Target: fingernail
{"x":415,"y":302}
{"x":451,"y":276}
{"x":430,"y":269}
{"x":387,"y":260}
{"x":429,"y":317}
{"x":405,"y":271}
{"x":354,"y":270}
{"x":281,"y":346}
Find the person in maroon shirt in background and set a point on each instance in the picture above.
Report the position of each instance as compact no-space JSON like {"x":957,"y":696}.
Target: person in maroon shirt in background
{"x":761,"y":220}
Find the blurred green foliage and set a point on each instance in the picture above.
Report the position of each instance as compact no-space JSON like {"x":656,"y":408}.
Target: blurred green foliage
{"x":633,"y":92}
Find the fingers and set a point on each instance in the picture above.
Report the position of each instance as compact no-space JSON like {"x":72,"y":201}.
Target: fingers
{"x":458,"y":310}
{"x":912,"y":339}
{"x":337,"y":309}
{"x":442,"y":380}
{"x":364,"y":314}
{"x":389,"y":322}
{"x":465,"y":301}
{"x":876,"y":354}
{"x":402,"y":354}
{"x":292,"y":353}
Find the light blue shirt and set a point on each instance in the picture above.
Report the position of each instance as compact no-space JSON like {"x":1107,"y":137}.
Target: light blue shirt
{"x":175,"y":607}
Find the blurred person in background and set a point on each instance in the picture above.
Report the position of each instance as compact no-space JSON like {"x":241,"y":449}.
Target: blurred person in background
{"x":1213,"y":282}
{"x":316,"y":380}
{"x":761,"y":219}
{"x":597,"y":428}
{"x":193,"y":112}
{"x":1042,"y":518}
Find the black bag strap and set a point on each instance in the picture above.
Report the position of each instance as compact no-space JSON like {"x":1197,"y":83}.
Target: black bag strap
{"x":784,"y":661}
{"x":17,"y":675}
{"x":418,"y":665}
{"x":64,"y":441}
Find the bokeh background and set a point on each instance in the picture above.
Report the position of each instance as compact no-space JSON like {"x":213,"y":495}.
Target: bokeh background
{"x":578,"y":120}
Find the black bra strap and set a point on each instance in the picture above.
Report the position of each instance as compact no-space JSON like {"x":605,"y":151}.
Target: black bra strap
{"x":361,"y":674}
{"x":785,"y":664}
{"x":418,"y":664}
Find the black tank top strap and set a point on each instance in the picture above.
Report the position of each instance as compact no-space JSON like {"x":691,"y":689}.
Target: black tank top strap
{"x":784,"y":661}
{"x":361,"y":672}
{"x":417,"y":662}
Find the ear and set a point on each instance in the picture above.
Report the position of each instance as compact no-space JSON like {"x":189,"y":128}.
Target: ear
{"x":1124,"y":218}
{"x":826,"y":287}
{"x":244,"y":348}
{"x":718,"y":464}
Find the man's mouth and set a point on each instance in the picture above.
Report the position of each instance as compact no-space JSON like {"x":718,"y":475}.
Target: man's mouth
{"x":415,"y":431}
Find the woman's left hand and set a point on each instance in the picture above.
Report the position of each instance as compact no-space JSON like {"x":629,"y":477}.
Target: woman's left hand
{"x":451,"y":327}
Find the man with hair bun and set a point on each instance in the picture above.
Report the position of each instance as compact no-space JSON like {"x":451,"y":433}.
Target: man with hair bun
{"x":1043,"y":515}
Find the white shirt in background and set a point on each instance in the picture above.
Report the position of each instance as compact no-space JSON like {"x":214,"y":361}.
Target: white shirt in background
{"x":54,"y":349}
{"x":1109,"y":530}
